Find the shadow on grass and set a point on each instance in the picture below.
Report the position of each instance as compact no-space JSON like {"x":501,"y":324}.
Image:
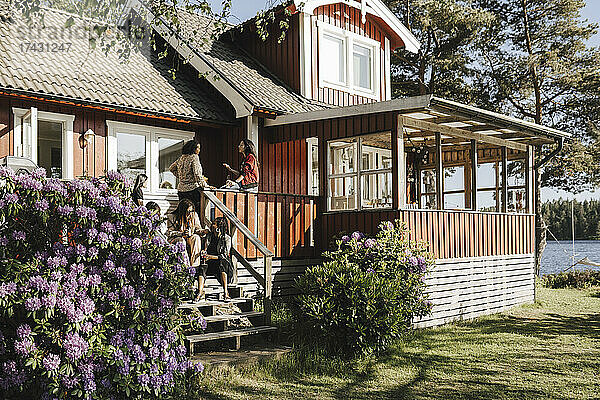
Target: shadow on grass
{"x":552,"y":325}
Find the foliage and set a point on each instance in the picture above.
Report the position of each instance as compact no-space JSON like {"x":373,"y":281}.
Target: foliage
{"x":572,"y":280}
{"x":534,"y":63}
{"x":366,"y":293}
{"x":448,"y":31}
{"x":557,"y":214}
{"x":88,"y":293}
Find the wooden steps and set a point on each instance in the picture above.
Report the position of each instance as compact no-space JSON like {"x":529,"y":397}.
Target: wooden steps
{"x":227,"y":322}
{"x":230,"y":334}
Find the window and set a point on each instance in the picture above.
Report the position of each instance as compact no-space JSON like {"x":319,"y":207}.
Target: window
{"x":139,"y":149}
{"x":454,"y":188}
{"x":47,"y":139}
{"x":362,"y":67}
{"x":334,"y":57}
{"x":488,"y":186}
{"x":313,"y":165}
{"x":131,"y":154}
{"x":372,"y":177}
{"x":169,"y":151}
{"x":348,"y":61}
{"x":428,"y":189}
{"x":517,"y":194}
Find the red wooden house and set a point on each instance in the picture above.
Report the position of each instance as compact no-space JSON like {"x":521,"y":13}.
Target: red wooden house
{"x":336,"y":152}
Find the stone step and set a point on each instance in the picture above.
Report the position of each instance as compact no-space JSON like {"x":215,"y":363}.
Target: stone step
{"x":231,"y":334}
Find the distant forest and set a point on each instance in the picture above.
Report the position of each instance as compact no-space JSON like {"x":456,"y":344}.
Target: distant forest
{"x":557,"y":215}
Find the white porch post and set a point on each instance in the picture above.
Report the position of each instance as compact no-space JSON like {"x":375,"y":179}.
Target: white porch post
{"x":401,"y":161}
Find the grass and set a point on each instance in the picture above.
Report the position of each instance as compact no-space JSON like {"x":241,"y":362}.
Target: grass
{"x":548,"y":350}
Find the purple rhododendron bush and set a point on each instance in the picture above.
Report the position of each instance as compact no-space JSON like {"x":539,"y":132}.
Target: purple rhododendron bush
{"x":366,"y":293}
{"x":88,"y":293}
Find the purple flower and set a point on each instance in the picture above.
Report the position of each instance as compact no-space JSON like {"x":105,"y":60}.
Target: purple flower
{"x":3,"y":241}
{"x":7,"y":289}
{"x":103,"y":238}
{"x":87,"y":306}
{"x":345,"y":238}
{"x":199,"y":367}
{"x":39,"y":173}
{"x":143,"y":379}
{"x":51,"y":362}
{"x":370,"y":271}
{"x":120,"y":272}
{"x":192,"y":271}
{"x":12,"y":198}
{"x":370,"y":243}
{"x":387,"y":225}
{"x":412,"y":260}
{"x":94,"y":279}
{"x":64,"y":210}
{"x":23,"y":331}
{"x":93,"y":252}
{"x":33,"y":304}
{"x":19,"y":235}
{"x":159,"y":274}
{"x":127,"y":292}
{"x":75,"y":346}
{"x":49,"y":301}
{"x":136,"y":243}
{"x":357,"y":235}
{"x":108,"y":227}
{"x":42,"y":205}
{"x":25,"y":346}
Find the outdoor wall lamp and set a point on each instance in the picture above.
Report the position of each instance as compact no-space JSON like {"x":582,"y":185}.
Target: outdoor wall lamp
{"x":84,"y":140}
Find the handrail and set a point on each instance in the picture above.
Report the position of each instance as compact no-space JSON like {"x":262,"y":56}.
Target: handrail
{"x":267,"y":281}
{"x":238,"y":224}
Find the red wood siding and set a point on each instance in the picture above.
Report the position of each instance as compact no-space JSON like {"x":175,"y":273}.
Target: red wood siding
{"x":282,"y":59}
{"x":284,"y":223}
{"x":449,"y":234}
{"x":335,"y":15}
{"x":218,"y":145}
{"x":283,"y":149}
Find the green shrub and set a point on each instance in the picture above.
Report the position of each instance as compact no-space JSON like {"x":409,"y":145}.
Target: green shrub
{"x":572,"y":279}
{"x":366,"y":293}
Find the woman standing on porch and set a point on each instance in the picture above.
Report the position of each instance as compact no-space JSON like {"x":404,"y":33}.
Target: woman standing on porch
{"x":190,"y":177}
{"x":247,"y":177}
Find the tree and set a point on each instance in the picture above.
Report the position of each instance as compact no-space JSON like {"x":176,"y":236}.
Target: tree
{"x":534,"y":63}
{"x":448,"y":31}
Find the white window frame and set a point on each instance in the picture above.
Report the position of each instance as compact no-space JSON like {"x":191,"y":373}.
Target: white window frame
{"x":311,"y":143}
{"x":358,"y":173}
{"x":151,"y":135}
{"x":350,"y":39}
{"x":66,"y":120}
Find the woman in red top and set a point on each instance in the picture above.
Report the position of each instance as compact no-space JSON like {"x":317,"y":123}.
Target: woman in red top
{"x":247,"y":177}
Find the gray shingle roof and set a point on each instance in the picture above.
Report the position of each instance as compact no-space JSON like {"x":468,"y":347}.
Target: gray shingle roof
{"x":142,"y":83}
{"x":248,"y":76}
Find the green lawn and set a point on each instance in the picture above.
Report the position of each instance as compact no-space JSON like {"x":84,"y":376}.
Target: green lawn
{"x":550,"y":350}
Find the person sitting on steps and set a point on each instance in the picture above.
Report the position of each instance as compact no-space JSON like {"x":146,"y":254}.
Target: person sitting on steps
{"x":184,"y":227}
{"x":247,"y":176}
{"x":218,"y":256}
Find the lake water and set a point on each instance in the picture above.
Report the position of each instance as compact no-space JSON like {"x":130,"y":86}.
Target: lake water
{"x":557,"y":256}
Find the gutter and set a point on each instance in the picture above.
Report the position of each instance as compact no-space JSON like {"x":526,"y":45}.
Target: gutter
{"x":560,"y":144}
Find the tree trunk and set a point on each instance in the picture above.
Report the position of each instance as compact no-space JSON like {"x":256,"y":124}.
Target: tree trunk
{"x":541,"y":229}
{"x":540,"y":225}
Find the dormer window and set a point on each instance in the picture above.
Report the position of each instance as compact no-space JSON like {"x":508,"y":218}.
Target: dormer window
{"x":348,"y":61}
{"x":333,"y":51}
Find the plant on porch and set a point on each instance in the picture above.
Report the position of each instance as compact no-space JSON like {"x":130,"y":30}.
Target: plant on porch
{"x":88,"y":293}
{"x":366,"y":293}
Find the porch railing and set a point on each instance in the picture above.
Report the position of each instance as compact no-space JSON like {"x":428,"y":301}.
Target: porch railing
{"x":265,"y":281}
{"x":449,"y":234}
{"x":284,"y":223}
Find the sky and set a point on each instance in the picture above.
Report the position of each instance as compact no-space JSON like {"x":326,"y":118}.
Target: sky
{"x":245,"y":9}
